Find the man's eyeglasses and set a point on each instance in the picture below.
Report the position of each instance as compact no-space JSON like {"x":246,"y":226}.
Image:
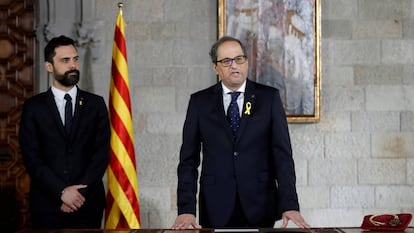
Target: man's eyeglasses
{"x":229,"y":61}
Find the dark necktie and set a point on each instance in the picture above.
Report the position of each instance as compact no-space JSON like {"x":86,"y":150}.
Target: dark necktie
{"x":233,"y":114}
{"x":68,"y":112}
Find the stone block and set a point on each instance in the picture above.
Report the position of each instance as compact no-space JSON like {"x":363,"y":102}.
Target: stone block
{"x":141,"y":76}
{"x":339,"y":9}
{"x":335,"y":122}
{"x":189,"y":10}
{"x":201,"y":77}
{"x":154,"y":99}
{"x":376,"y":29}
{"x":349,"y":52}
{"x":408,"y":71}
{"x":162,"y":219}
{"x":154,"y":198}
{"x":340,"y":99}
{"x":378,"y":75}
{"x":352,"y":197}
{"x":407,"y":27}
{"x":169,"y":30}
{"x":153,"y":53}
{"x":301,"y":170}
{"x":377,"y":121}
{"x":395,"y":52}
{"x":385,"y":98}
{"x":307,"y":145}
{"x":344,"y":217}
{"x":138,"y":31}
{"x":382,"y":171}
{"x":313,"y":197}
{"x":394,"y":196}
{"x":383,"y":9}
{"x":332,"y":172}
{"x":337,"y":29}
{"x":184,"y":55}
{"x":154,"y":11}
{"x":347,"y":145}
{"x":339,"y":76}
{"x":410,"y":172}
{"x":393,"y":145}
{"x":150,"y":147}
{"x":161,"y":173}
{"x":172,"y":76}
{"x":167,"y":123}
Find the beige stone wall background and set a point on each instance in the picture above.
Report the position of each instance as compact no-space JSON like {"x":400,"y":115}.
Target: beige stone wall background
{"x":359,"y":159}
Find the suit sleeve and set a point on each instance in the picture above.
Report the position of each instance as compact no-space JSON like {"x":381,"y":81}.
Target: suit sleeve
{"x":282,"y":158}
{"x":29,"y":141}
{"x":100,"y":150}
{"x":189,"y":162}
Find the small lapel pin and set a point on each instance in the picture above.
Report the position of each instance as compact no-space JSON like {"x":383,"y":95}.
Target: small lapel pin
{"x":248,"y":107}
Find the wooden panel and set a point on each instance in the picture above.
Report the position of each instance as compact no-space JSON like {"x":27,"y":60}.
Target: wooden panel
{"x":17,"y":51}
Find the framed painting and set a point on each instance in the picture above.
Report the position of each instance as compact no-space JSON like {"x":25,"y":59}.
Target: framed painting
{"x":282,"y":38}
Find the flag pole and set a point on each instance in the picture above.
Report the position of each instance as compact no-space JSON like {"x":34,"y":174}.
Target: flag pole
{"x":120,"y":5}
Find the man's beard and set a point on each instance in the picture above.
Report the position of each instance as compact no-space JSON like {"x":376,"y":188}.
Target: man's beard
{"x":69,"y":78}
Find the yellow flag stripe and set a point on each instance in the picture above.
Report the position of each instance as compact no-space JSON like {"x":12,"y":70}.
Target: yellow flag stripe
{"x":122,"y":110}
{"x":121,"y":63}
{"x":124,"y":159}
{"x":122,"y":201}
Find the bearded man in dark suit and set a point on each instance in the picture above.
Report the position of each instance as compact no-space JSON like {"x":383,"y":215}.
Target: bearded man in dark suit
{"x":247,"y":171}
{"x":64,"y":138}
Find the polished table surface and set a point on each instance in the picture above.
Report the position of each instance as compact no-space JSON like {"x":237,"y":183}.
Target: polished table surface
{"x":206,"y":230}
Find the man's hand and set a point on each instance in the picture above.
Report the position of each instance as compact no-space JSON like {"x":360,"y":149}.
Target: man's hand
{"x":184,"y":221}
{"x":71,"y":198}
{"x":295,"y":217}
{"x":66,"y":209}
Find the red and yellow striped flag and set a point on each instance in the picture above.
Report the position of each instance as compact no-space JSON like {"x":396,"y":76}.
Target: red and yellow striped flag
{"x":122,"y":197}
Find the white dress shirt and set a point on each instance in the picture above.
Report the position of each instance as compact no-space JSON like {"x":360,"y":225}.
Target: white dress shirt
{"x":60,"y":100}
{"x":227,"y":97}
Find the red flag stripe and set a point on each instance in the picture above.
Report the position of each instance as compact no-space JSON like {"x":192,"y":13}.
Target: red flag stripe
{"x":121,"y":85}
{"x":120,"y":42}
{"x":122,"y":132}
{"x":124,"y":182}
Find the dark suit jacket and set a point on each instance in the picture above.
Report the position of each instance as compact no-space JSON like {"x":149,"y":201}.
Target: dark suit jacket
{"x":55,"y":160}
{"x":258,"y":164}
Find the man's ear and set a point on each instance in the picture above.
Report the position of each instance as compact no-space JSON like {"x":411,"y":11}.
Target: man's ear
{"x":214,"y":66}
{"x":49,"y":67}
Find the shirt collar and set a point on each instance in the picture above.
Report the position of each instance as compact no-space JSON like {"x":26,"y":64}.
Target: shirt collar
{"x":227,"y":90}
{"x":61,"y":94}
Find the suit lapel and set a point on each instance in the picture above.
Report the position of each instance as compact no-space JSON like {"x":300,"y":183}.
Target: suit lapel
{"x":79,"y":108}
{"x":218,"y":106}
{"x":50,"y":101}
{"x":248,"y":108}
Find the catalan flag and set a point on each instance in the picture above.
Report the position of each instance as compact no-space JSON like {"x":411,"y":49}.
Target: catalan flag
{"x":122,"y":197}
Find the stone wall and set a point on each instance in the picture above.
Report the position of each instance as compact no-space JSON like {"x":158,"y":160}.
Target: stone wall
{"x":359,"y":159}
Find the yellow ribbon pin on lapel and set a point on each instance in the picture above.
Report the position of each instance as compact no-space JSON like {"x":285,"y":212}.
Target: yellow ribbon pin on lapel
{"x":248,"y":107}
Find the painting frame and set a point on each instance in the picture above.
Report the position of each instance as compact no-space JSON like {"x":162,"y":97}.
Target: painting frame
{"x":268,"y":35}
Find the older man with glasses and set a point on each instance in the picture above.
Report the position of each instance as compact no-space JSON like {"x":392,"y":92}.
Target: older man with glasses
{"x":247,"y":171}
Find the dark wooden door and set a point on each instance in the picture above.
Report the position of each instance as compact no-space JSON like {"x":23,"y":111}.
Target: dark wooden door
{"x":17,"y":53}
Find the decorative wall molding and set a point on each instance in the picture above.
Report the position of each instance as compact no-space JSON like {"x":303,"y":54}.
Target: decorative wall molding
{"x":88,"y":35}
{"x":75,"y":19}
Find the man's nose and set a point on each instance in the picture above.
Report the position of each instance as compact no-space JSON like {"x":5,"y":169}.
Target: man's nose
{"x":233,"y":64}
{"x":73,"y":63}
